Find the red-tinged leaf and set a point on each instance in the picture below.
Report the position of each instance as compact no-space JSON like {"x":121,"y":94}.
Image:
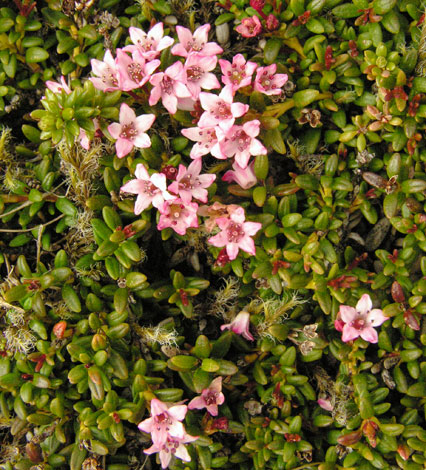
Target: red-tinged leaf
{"x":411,"y":320}
{"x":397,"y":292}
{"x":349,"y":439}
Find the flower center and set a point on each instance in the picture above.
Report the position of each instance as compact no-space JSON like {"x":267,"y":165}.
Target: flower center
{"x":176,"y":212}
{"x":242,"y":140}
{"x":194,"y":46}
{"x":147,"y":44}
{"x":194,"y":73}
{"x":223,"y":110}
{"x":235,"y":232}
{"x":237,"y":74}
{"x":186,"y":182}
{"x":211,"y":398}
{"x":170,"y":445}
{"x":135,"y":72}
{"x":359,"y":323}
{"x":167,"y":85}
{"x":266,"y":81}
{"x":109,"y":78}
{"x":163,"y":421}
{"x":150,"y":189}
{"x":128,"y":132}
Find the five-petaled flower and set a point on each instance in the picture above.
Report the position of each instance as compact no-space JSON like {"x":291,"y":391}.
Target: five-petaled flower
{"x":149,"y":44}
{"x":359,"y":321}
{"x":235,"y":234}
{"x":244,"y":177}
{"x":173,"y":446}
{"x":164,"y":422}
{"x":249,"y":27}
{"x":210,"y":398}
{"x":190,"y":184}
{"x":240,"y":325}
{"x":178,"y":215}
{"x":107,"y":73}
{"x":239,"y":73}
{"x":130,"y":131}
{"x":268,"y":82}
{"x":150,"y":189}
{"x":197,"y":42}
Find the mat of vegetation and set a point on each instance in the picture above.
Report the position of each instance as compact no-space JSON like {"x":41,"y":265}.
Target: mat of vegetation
{"x":212,"y":235}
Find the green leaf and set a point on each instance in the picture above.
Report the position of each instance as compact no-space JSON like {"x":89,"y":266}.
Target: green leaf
{"x":36,"y":54}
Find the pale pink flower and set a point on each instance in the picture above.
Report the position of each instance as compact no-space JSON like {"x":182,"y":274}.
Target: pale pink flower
{"x":130,"y":131}
{"x":214,"y":212}
{"x":173,"y":446}
{"x":239,"y":73}
{"x":134,"y":71}
{"x":240,"y":142}
{"x":240,"y":325}
{"x":236,"y":234}
{"x":267,"y":82}
{"x":58,"y":87}
{"x":220,"y":110}
{"x":84,"y":138}
{"x":164,"y":422}
{"x":149,"y":44}
{"x":244,"y":177}
{"x":178,"y":215}
{"x":190,"y":184}
{"x":249,"y":27}
{"x":150,"y":189}
{"x":197,"y":42}
{"x":107,"y":73}
{"x":210,"y":398}
{"x":207,"y":142}
{"x":197,"y":68}
{"x":361,"y":320}
{"x":169,"y":86}
{"x":325,"y":404}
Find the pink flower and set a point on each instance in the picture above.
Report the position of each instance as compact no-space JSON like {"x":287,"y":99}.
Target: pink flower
{"x":240,"y":325}
{"x":239,"y":73}
{"x":210,"y":398}
{"x":197,"y":68}
{"x":235,"y":234}
{"x":325,"y":404}
{"x":249,"y":27}
{"x":134,"y":71}
{"x":178,"y":215}
{"x":164,"y":422}
{"x":130,"y":131}
{"x":220,"y":110}
{"x":58,"y":87}
{"x":361,"y":320}
{"x":206,"y":142}
{"x":150,"y":189}
{"x":149,"y":44}
{"x":272,"y":22}
{"x":190,"y":184}
{"x":196,"y":42}
{"x":107,"y":73}
{"x":169,"y":86}
{"x":84,"y":138}
{"x":244,"y":177}
{"x":172,"y":446}
{"x":240,"y":142}
{"x":267,"y":82}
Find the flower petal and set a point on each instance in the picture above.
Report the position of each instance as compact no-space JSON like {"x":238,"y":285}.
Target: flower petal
{"x":348,"y":314}
{"x":364,"y":304}
{"x":369,"y":334}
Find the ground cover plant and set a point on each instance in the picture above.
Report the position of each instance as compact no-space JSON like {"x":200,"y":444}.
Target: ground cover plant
{"x":212,"y":235}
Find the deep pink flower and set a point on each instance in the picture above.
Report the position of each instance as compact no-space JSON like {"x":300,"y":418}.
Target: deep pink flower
{"x":210,"y":398}
{"x":107,"y":73}
{"x":196,"y":42}
{"x":165,"y":422}
{"x":150,"y":189}
{"x":172,"y":446}
{"x":169,"y":86}
{"x":190,"y":184}
{"x":240,"y":325}
{"x":134,"y":71}
{"x":197,"y":68}
{"x":361,"y":320}
{"x":249,"y":27}
{"x":267,"y":82}
{"x":240,"y":142}
{"x":236,"y":234}
{"x":130,"y":131}
{"x":149,"y":44}
{"x":272,"y":22}
{"x":58,"y":87}
{"x":220,"y":110}
{"x":244,"y":177}
{"x":178,"y":216}
{"x":239,"y":73}
{"x":207,"y":142}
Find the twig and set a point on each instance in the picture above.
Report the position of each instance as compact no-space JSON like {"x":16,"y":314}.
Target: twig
{"x":32,"y":228}
{"x":25,"y":204}
{"x":40,"y":231}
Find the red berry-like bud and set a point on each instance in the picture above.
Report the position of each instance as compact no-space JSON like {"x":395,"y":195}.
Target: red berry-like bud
{"x":222,"y":258}
{"x":272,"y":23}
{"x":170,"y":172}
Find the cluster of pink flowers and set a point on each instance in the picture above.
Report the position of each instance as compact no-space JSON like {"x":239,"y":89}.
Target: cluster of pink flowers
{"x":167,"y":432}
